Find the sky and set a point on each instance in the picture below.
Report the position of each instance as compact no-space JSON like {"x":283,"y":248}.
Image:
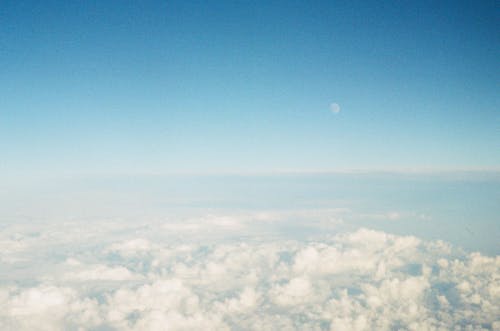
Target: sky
{"x":241,"y":165}
{"x":124,"y":87}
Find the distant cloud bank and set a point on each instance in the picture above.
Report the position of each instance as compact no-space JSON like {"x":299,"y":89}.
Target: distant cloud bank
{"x":174,"y":276}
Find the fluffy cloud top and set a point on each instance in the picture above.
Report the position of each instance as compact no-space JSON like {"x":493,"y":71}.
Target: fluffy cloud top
{"x":157,"y":276}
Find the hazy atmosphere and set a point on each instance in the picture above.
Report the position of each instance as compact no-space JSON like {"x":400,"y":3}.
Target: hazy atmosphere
{"x":249,"y":165}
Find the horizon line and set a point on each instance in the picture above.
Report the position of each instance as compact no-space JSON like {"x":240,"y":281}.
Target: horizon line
{"x":282,"y":171}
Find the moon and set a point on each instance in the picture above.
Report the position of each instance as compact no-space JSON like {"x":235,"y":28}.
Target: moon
{"x":335,"y":108}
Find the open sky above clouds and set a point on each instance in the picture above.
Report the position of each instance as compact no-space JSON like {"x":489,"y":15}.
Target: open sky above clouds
{"x":238,"y":165}
{"x":176,"y":86}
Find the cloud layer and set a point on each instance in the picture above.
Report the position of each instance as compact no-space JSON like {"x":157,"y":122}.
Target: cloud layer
{"x":176,"y":276}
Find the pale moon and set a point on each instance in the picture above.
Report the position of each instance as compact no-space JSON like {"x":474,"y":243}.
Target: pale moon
{"x":335,"y":108}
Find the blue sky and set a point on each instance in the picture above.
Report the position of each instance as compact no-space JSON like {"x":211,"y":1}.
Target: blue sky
{"x":165,"y":86}
{"x":383,"y":214}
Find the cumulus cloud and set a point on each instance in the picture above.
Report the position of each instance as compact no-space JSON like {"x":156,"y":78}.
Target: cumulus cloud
{"x":395,"y":216}
{"x":116,"y":276}
{"x":99,"y":272}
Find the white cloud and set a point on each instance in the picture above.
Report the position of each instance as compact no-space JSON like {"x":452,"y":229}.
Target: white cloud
{"x":149,"y":277}
{"x":99,"y":272}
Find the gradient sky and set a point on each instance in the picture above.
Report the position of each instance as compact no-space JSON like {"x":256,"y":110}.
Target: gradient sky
{"x":173,"y":86}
